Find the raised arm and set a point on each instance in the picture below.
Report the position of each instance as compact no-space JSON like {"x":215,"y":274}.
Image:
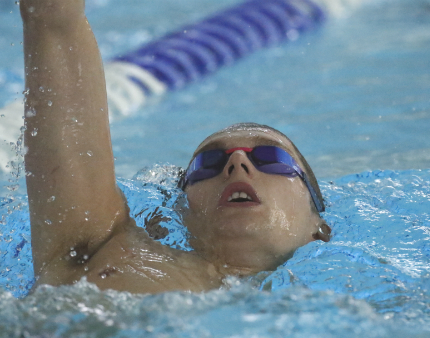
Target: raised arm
{"x":73,"y":198}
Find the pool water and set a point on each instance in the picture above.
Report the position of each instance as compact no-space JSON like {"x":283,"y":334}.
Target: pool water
{"x":354,"y":98}
{"x":371,"y":280}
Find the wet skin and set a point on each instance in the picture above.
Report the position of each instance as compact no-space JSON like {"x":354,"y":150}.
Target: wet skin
{"x":229,"y":237}
{"x":247,"y":237}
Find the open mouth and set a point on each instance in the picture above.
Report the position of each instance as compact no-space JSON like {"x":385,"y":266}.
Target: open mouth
{"x":239,"y":194}
{"x":239,"y":197}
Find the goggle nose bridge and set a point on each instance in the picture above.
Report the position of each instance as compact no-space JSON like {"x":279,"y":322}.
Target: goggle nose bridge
{"x":232,"y":150}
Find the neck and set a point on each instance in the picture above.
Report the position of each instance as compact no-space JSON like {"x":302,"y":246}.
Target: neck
{"x":238,"y":259}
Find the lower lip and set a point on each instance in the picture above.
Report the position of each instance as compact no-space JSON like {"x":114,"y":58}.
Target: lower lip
{"x":239,"y":204}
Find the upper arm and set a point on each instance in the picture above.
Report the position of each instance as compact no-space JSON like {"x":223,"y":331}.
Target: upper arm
{"x":72,"y":192}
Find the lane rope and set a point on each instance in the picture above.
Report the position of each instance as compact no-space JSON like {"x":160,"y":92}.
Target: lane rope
{"x":186,"y":55}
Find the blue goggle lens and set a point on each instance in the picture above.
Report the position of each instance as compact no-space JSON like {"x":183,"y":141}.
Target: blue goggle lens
{"x":267,"y":159}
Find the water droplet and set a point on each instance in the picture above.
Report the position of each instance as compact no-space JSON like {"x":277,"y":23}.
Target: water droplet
{"x":30,"y":112}
{"x":86,"y":268}
{"x":17,"y":3}
{"x":13,"y":187}
{"x":87,"y":212}
{"x":48,"y":222}
{"x":50,"y":103}
{"x":41,"y":89}
{"x":12,"y":44}
{"x":51,"y":199}
{"x":70,"y":48}
{"x":2,"y":115}
{"x":34,"y":132}
{"x":86,"y":219}
{"x":31,"y":9}
{"x":73,"y":253}
{"x":89,"y":153}
{"x":102,"y":276}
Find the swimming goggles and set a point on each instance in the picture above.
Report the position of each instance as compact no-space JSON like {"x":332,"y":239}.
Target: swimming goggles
{"x":267,"y":159}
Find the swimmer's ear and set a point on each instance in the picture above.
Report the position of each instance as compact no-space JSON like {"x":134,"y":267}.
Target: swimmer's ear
{"x":323,"y":232}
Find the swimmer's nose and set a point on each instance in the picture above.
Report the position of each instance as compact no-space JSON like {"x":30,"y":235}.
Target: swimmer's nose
{"x":237,"y":164}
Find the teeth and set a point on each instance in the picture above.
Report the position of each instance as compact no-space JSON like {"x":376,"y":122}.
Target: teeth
{"x":237,"y":195}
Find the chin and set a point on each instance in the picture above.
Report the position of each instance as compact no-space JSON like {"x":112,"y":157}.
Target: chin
{"x":240,"y":226}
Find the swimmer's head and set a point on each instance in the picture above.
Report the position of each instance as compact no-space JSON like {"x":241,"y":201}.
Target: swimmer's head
{"x":250,"y":126}
{"x":243,"y":217}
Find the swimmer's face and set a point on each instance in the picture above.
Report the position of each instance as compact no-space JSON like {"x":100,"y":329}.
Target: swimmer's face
{"x":261,"y":233}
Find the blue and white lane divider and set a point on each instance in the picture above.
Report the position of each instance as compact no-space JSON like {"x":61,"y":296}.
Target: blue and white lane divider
{"x":194,"y":51}
{"x":185,"y":56}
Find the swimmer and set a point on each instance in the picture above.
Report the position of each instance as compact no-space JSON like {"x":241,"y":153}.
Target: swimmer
{"x":253,"y":199}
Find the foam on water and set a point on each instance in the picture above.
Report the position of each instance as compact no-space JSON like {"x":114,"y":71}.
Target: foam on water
{"x":371,"y":279}
{"x":82,"y":310}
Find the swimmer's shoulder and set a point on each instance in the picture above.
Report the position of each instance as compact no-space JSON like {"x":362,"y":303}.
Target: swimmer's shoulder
{"x":134,"y":262}
{"x":131,"y":261}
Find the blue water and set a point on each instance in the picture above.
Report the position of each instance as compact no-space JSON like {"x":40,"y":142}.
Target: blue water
{"x":354,"y":98}
{"x":371,"y":280}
